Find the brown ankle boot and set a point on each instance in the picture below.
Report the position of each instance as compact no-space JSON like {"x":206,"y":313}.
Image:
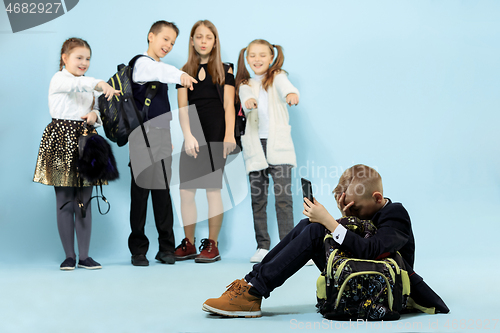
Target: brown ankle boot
{"x":235,"y":302}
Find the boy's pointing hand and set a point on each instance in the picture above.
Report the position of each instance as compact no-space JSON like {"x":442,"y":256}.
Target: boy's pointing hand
{"x":187,"y":81}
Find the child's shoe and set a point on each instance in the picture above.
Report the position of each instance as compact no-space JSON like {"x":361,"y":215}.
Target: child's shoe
{"x":185,"y":251}
{"x":259,"y":255}
{"x":235,"y":302}
{"x":139,"y":260}
{"x":89,"y":263}
{"x":208,"y":251}
{"x":68,"y":264}
{"x":165,"y":257}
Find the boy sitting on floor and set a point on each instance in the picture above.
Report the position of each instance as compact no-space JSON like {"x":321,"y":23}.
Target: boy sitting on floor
{"x":359,"y":193}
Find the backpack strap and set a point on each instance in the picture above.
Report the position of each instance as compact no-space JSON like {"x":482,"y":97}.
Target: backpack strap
{"x":152,"y":86}
{"x":220,"y":89}
{"x":150,"y":94}
{"x":132,"y":61}
{"x":152,"y":89}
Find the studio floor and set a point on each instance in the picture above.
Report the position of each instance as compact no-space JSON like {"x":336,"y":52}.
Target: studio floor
{"x":168,"y":298}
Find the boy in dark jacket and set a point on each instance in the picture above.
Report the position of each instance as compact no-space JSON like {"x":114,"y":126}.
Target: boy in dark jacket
{"x":359,"y":193}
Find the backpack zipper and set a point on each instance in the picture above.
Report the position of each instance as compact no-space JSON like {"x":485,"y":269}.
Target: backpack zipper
{"x":342,"y":265}
{"x":341,"y":290}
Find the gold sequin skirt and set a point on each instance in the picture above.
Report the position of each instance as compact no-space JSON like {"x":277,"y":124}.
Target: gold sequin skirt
{"x":58,"y":154}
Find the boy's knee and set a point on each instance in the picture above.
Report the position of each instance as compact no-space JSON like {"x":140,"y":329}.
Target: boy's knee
{"x":314,"y":229}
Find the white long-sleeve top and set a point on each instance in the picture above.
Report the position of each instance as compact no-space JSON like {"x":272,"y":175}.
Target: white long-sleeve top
{"x":71,"y":97}
{"x":146,"y":69}
{"x":280,"y":149}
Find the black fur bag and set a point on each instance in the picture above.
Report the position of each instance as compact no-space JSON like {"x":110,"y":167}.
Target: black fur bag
{"x":95,"y":157}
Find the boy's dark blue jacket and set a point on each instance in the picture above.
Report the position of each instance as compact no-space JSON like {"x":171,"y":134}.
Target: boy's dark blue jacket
{"x":394,"y":233}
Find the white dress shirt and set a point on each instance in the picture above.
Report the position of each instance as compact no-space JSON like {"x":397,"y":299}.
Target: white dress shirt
{"x":146,"y":69}
{"x":71,"y":97}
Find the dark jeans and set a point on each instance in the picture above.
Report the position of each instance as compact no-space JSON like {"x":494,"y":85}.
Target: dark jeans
{"x":304,"y":242}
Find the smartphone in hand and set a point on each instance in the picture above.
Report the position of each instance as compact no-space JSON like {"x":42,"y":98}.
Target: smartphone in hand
{"x":307,"y":189}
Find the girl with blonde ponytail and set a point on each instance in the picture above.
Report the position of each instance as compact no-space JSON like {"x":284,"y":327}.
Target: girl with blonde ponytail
{"x":267,"y":143}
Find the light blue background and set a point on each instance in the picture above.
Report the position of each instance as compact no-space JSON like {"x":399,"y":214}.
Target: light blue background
{"x":409,"y":87}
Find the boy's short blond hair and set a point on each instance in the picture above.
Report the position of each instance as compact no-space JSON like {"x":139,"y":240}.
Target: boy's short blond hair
{"x":362,"y":180}
{"x":158,"y":25}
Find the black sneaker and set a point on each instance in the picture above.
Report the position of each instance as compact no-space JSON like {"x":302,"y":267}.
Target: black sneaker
{"x":140,"y":260}
{"x":68,"y":264}
{"x":165,"y":257}
{"x":89,"y":263}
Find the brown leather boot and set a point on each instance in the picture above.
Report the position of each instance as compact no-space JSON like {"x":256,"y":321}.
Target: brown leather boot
{"x":235,"y":302}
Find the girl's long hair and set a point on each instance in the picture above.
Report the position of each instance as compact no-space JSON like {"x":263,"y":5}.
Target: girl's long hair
{"x":68,"y":45}
{"x":242,"y":75}
{"x":214,"y":66}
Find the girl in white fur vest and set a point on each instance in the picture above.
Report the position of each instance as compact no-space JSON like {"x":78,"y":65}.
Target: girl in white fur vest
{"x":267,"y":144}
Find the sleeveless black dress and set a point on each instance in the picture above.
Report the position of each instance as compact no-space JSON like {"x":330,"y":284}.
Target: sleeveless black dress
{"x":208,"y":126}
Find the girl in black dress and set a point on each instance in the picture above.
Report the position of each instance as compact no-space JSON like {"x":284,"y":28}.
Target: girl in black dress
{"x":207,"y":121}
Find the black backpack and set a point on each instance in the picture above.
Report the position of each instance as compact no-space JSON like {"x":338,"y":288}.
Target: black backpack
{"x":120,"y":115}
{"x":351,"y":288}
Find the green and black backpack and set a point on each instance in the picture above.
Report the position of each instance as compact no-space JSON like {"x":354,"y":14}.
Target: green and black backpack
{"x":120,"y":116}
{"x":351,"y":288}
